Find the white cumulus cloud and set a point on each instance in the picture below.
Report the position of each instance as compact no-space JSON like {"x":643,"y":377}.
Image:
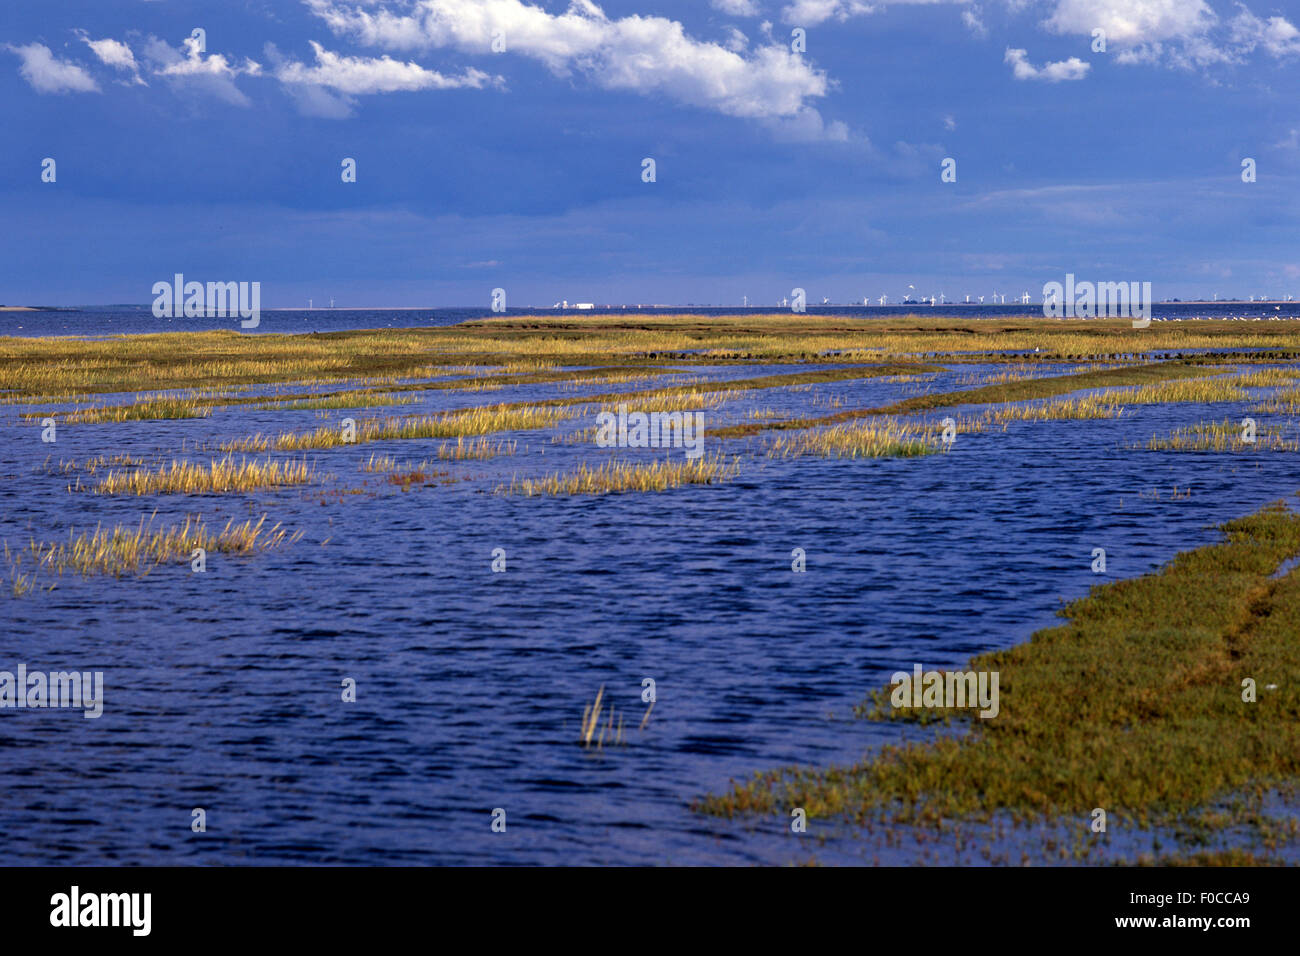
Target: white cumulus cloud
{"x":736,"y":8}
{"x":113,"y":53}
{"x":1022,"y":69}
{"x":1277,"y":35}
{"x":643,"y":54}
{"x":811,"y":13}
{"x":1185,"y":33}
{"x":192,"y":70}
{"x":48,"y":74}
{"x":1133,"y":22}
{"x":363,"y":75}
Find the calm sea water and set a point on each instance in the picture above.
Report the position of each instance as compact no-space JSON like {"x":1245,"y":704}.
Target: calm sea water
{"x":223,"y":689}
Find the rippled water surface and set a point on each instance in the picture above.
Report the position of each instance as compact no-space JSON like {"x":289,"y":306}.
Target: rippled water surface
{"x":222,"y":689}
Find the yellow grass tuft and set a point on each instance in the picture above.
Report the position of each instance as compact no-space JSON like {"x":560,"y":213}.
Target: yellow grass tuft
{"x":480,"y":420}
{"x":184,"y":477}
{"x":146,"y":410}
{"x":122,"y":550}
{"x":619,"y":476}
{"x":1061,"y":409}
{"x":1222,"y":436}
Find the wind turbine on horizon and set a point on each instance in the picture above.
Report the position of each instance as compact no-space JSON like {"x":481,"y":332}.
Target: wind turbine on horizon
{"x":884,"y":299}
{"x":1024,"y":299}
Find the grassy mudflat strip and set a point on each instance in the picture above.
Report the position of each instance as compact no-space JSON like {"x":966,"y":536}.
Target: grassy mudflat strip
{"x":62,"y":366}
{"x":481,"y":420}
{"x":1011,"y":391}
{"x":1134,"y":706}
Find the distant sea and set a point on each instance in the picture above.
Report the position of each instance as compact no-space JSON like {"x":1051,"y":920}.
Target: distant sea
{"x":133,"y":320}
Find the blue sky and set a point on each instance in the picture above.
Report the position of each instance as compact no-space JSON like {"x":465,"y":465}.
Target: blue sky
{"x":522,"y":169}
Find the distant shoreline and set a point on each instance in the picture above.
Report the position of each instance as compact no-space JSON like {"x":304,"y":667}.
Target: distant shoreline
{"x":1035,"y":306}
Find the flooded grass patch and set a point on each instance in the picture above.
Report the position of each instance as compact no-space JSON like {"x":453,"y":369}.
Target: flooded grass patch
{"x":149,"y":410}
{"x":866,"y":439}
{"x":355,"y":400}
{"x":619,"y":476}
{"x":473,"y":421}
{"x":1061,"y":409}
{"x":1005,"y":393}
{"x":123,"y":550}
{"x":1223,"y":436}
{"x":217,"y":476}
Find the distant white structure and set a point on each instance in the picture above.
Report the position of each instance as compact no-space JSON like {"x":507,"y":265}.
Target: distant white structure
{"x":584,"y":305}
{"x":1024,"y":299}
{"x":968,"y":299}
{"x":981,"y":300}
{"x":884,"y":299}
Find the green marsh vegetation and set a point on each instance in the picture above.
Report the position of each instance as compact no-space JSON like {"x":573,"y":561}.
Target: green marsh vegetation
{"x":1168,"y":700}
